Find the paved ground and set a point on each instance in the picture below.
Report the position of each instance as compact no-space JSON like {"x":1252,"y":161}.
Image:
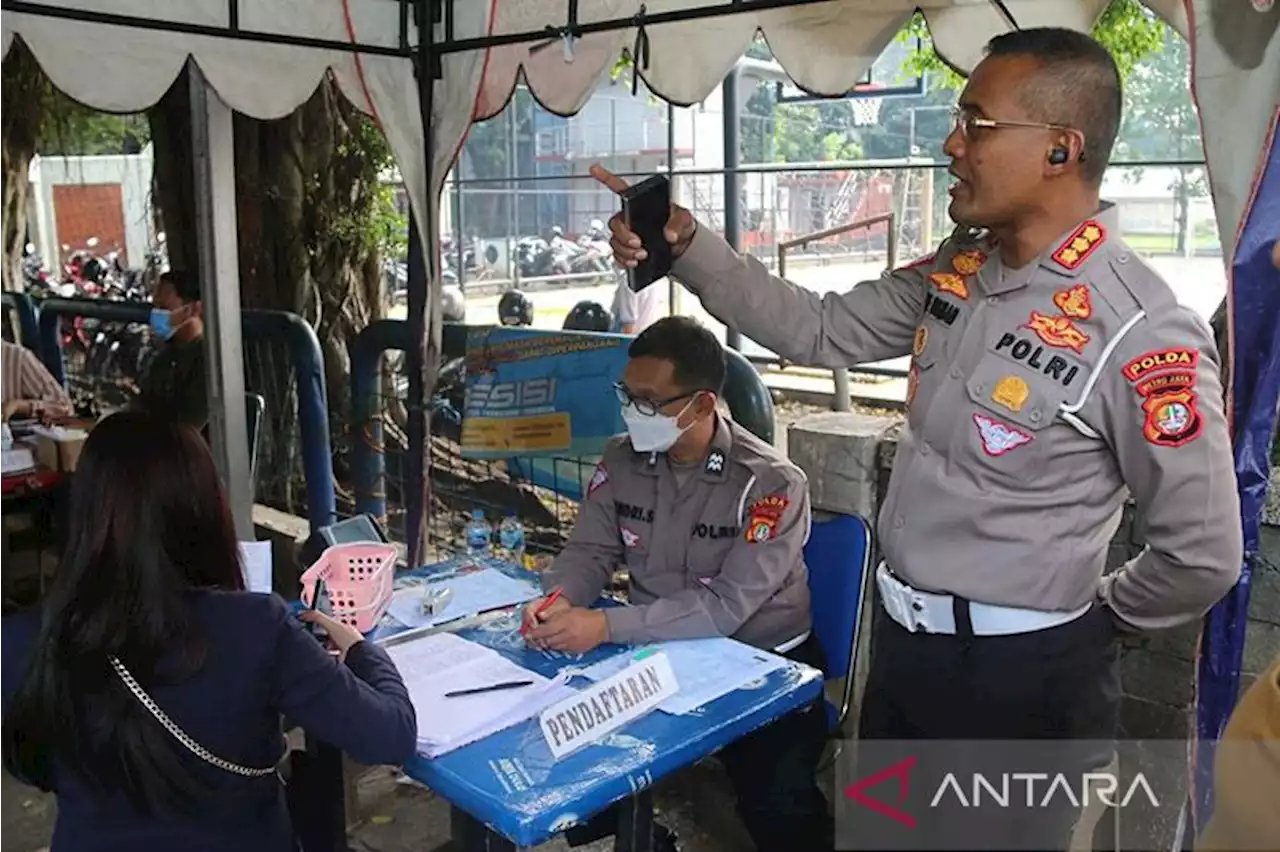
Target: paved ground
{"x":399,"y":816}
{"x":1199,"y":283}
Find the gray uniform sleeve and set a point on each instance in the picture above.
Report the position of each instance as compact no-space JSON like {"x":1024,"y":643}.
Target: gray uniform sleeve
{"x":873,"y":321}
{"x":774,"y":530}
{"x":1163,"y":413}
{"x":585,"y":565}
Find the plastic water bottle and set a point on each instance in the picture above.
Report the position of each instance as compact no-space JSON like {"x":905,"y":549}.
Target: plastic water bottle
{"x":511,"y":539}
{"x":479,"y":534}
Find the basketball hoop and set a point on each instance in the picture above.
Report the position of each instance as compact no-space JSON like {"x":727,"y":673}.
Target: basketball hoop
{"x":866,"y":111}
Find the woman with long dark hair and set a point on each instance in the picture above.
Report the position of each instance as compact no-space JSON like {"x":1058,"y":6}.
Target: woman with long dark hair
{"x":149,"y":691}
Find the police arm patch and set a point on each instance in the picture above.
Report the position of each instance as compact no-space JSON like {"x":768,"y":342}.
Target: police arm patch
{"x":1172,"y":418}
{"x":598,"y":478}
{"x":1158,"y":360}
{"x":763,"y":518}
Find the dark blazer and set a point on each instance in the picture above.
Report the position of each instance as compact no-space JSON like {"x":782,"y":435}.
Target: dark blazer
{"x":261,"y":663}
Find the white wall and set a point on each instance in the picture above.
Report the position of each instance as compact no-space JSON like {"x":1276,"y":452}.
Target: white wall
{"x":131,"y":171}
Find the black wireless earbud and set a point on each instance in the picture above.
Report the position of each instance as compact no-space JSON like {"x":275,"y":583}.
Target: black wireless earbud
{"x":1058,"y":156}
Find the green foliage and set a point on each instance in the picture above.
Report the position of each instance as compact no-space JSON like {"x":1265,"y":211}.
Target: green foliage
{"x":74,"y":130}
{"x":1126,"y":28}
{"x":1160,"y":119}
{"x":381,"y":225}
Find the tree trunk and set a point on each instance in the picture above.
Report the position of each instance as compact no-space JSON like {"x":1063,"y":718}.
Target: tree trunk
{"x":26,"y":97}
{"x":307,"y":194}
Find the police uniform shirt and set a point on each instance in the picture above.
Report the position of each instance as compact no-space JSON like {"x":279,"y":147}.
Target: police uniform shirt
{"x":719,"y":554}
{"x":1036,"y":398}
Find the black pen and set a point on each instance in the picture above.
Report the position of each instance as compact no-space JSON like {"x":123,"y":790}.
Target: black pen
{"x":511,"y":684}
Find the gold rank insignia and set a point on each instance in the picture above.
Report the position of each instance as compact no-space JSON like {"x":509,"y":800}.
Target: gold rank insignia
{"x":1076,"y":249}
{"x":1011,"y":392}
{"x":1074,"y":302}
{"x":921,"y":341}
{"x":968,"y":262}
{"x":949,"y":282}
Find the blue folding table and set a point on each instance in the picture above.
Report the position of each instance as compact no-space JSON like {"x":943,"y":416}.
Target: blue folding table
{"x":507,"y":792}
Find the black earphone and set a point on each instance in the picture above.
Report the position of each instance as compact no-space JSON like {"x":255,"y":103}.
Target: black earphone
{"x":1058,"y":156}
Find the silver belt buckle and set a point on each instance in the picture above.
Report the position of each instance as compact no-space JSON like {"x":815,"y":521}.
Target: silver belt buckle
{"x":896,"y":596}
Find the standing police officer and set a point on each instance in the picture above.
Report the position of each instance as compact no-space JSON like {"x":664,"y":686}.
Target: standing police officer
{"x":711,"y":522}
{"x":1053,"y":374}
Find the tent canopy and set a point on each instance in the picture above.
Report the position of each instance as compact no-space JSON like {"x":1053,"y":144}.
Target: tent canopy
{"x":825,"y":47}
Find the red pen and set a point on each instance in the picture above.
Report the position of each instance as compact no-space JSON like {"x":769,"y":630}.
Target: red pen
{"x":544,"y":606}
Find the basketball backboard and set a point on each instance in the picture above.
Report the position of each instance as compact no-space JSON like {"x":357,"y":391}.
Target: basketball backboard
{"x":886,"y":78}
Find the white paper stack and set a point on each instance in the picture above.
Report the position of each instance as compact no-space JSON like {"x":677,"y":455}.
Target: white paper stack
{"x":473,"y":593}
{"x":444,"y":662}
{"x":706,"y":669}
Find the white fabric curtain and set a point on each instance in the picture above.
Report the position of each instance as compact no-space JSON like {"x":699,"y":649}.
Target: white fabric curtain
{"x":825,"y":47}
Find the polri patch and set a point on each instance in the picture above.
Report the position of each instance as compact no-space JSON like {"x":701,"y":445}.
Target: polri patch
{"x":997,"y":438}
{"x":1058,"y":331}
{"x":1173,"y":358}
{"x":1011,"y":392}
{"x":630,"y":538}
{"x":1084,"y":241}
{"x":1172,"y":418}
{"x":598,"y":478}
{"x":763,"y":518}
{"x":968,"y":262}
{"x":949,"y":282}
{"x":920,"y":342}
{"x":1074,"y":302}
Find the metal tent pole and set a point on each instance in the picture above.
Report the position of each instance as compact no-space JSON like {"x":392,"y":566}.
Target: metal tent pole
{"x":732,"y":181}
{"x":424,"y":300}
{"x":213,"y":150}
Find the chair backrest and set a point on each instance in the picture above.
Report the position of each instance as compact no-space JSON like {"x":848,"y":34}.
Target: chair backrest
{"x":255,"y":410}
{"x":838,"y":556}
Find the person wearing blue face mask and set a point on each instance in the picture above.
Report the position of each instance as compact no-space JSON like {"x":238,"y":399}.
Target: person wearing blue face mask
{"x":710,"y":522}
{"x":174,"y":384}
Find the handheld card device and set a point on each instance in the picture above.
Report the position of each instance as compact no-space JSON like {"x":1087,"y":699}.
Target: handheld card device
{"x":646,"y":207}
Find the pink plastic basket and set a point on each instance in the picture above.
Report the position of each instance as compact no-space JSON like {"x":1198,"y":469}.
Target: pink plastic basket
{"x":359,"y":579}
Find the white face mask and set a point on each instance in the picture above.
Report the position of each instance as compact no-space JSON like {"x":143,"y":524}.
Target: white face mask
{"x":655,"y":433}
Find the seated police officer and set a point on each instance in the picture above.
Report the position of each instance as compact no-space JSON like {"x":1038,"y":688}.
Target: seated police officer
{"x":710,"y":521}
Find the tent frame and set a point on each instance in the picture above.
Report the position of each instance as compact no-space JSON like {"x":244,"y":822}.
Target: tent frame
{"x":213,"y":147}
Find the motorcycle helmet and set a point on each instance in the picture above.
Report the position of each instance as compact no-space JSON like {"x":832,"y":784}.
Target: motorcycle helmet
{"x":588,"y":316}
{"x":93,"y":270}
{"x":557,"y":231}
{"x":454,"y":304}
{"x":514,"y":308}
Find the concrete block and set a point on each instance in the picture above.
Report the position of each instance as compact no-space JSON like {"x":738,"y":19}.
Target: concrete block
{"x":1144,"y":719}
{"x":839,"y":452}
{"x":1179,"y":642}
{"x":1264,"y":596}
{"x":1157,"y":677}
{"x":1261,"y":646}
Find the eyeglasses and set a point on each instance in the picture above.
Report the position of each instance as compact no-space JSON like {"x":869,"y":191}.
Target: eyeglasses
{"x":647,"y":407}
{"x":968,"y":122}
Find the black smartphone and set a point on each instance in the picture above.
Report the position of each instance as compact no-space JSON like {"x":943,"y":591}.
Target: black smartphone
{"x":320,"y":603}
{"x":646,"y":208}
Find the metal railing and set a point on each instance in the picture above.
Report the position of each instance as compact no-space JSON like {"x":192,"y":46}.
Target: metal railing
{"x":283,"y":364}
{"x":21,"y":320}
{"x":840,"y":400}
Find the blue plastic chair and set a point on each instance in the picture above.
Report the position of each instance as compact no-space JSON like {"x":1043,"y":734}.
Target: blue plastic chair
{"x":838,"y":555}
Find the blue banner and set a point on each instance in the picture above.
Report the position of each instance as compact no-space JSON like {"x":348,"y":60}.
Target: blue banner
{"x":1254,"y":302}
{"x":543,"y":401}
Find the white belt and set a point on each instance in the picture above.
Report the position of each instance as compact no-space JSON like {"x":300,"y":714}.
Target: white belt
{"x":928,"y":612}
{"x":792,"y":644}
